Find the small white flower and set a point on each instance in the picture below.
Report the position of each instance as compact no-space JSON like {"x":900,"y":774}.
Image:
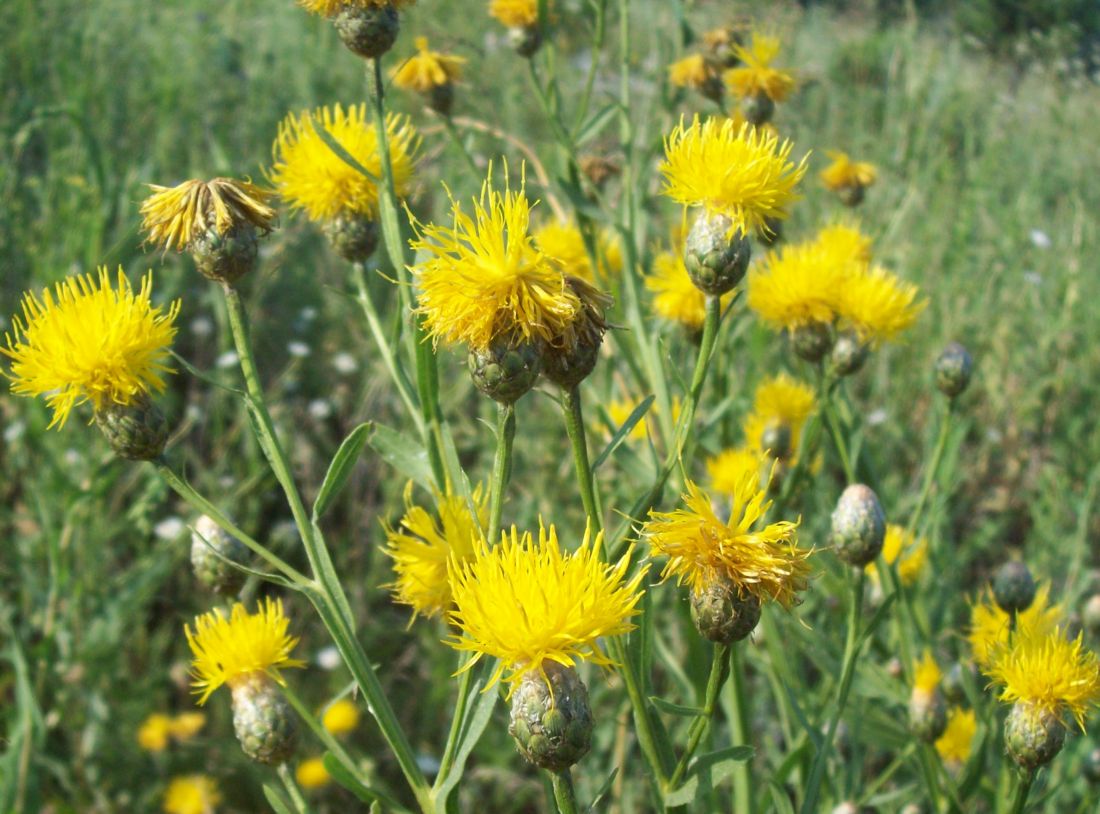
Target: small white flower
{"x":328,"y":658}
{"x":344,"y":363}
{"x":227,"y":359}
{"x":320,"y":409}
{"x":169,"y":528}
{"x":299,"y":350}
{"x":1040,"y":239}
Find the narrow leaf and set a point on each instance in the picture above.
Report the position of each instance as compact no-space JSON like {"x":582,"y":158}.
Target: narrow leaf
{"x":341,"y":468}
{"x":635,"y":416}
{"x":676,"y":709}
{"x":402,"y":453}
{"x":346,"y":779}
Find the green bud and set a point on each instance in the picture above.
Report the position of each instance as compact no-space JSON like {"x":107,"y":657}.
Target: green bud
{"x":954,"y":683}
{"x":848,"y":355}
{"x":852,"y":194}
{"x":953,"y":370}
{"x":263,"y":720}
{"x":859,"y":525}
{"x":211,"y":546}
{"x":506,"y":370}
{"x":812,"y":341}
{"x":1033,"y":737}
{"x":927,"y":714}
{"x":551,"y":720}
{"x":137,"y":431}
{"x":1092,"y":766}
{"x":716,"y":261}
{"x":758,"y":109}
{"x":368,"y":31}
{"x":722,"y":615}
{"x":569,"y":368}
{"x":441,"y":98}
{"x":225,"y":258}
{"x":776,"y":439}
{"x":352,"y":236}
{"x":525,"y":40}
{"x":1014,"y":587}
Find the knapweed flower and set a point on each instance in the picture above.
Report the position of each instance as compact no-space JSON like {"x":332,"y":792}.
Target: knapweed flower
{"x":425,"y":542}
{"x":527,"y":603}
{"x":153,"y":734}
{"x":729,"y":468}
{"x":698,"y":73}
{"x":312,"y":177}
{"x":564,"y":242}
{"x":232,"y":650}
{"x":794,"y":288}
{"x":174,"y":217}
{"x":341,"y":717}
{"x":902,"y":548}
{"x":484,"y":277}
{"x":186,"y":725}
{"x":780,"y":406}
{"x":90,"y":341}
{"x":844,"y":173}
{"x":756,"y":76}
{"x":927,"y":707}
{"x":515,"y":13}
{"x":312,"y":774}
{"x":744,"y":175}
{"x":330,"y":8}
{"x":191,"y":794}
{"x":842,"y":245}
{"x":619,"y":410}
{"x":990,"y":627}
{"x":428,"y":69}
{"x":957,"y":740}
{"x":878,"y":306}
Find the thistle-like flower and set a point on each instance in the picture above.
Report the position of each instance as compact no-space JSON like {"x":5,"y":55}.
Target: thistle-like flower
{"x":906,"y":551}
{"x":729,"y":468}
{"x":801,"y":285}
{"x":927,"y":707}
{"x":563,"y":241}
{"x":878,"y":306}
{"x":368,"y":28}
{"x":191,"y":794}
{"x":515,"y":13}
{"x":957,"y":740}
{"x":990,"y":626}
{"x":330,"y":8}
{"x":431,"y":73}
{"x":340,"y":717}
{"x":699,"y":73}
{"x":849,"y":179}
{"x":756,"y":76}
{"x":781,"y":405}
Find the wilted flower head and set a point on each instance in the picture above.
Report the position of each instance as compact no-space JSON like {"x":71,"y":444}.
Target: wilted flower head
{"x":329,"y":8}
{"x":844,"y":172}
{"x":756,"y":76}
{"x":428,"y":69}
{"x":174,"y":216}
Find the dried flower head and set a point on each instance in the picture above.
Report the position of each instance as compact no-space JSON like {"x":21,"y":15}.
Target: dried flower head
{"x":173,"y":217}
{"x":756,"y":76}
{"x":844,"y":172}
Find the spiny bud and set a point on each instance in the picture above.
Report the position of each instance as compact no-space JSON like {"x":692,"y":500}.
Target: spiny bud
{"x":225,"y":258}
{"x":715,"y":260}
{"x":525,"y":40}
{"x":368,"y":31}
{"x":1014,"y":587}
{"x":848,"y":355}
{"x":137,"y":431}
{"x":859,"y":525}
{"x":568,"y":366}
{"x":1033,"y":737}
{"x":776,"y":439}
{"x":551,"y":720}
{"x":758,"y":108}
{"x":352,"y":236}
{"x":263,"y":720}
{"x":211,"y":547}
{"x":953,"y":369}
{"x":506,"y":369}
{"x":812,"y":341}
{"x":927,"y":713}
{"x":721,"y":614}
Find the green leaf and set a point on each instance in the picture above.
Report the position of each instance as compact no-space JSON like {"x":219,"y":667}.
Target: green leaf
{"x":346,"y":779}
{"x":676,"y":709}
{"x":780,"y":799}
{"x":344,"y":155}
{"x":402,"y":453}
{"x":635,"y":416}
{"x":596,"y":124}
{"x":708,"y":771}
{"x":479,"y":707}
{"x":340,"y":469}
{"x":276,"y":800}
{"x":605,"y":787}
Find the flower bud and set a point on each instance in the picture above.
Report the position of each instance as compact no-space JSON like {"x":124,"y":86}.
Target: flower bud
{"x":721,"y":614}
{"x":715,"y":260}
{"x":1092,"y":766}
{"x":137,"y":431}
{"x":1033,"y":736}
{"x":812,"y":341}
{"x":954,"y":683}
{"x":551,"y":720}
{"x":953,"y":369}
{"x":352,"y":236}
{"x":859,"y":525}
{"x":568,"y":368}
{"x":263,"y":720}
{"x":927,"y":714}
{"x":848,"y":355}
{"x":441,"y":98}
{"x":851,"y":194}
{"x":758,"y":109}
{"x":776,"y":439}
{"x":1013,"y":587}
{"x":525,"y":40}
{"x":506,"y":369}
{"x":368,"y":31}
{"x":211,"y":546}
{"x":225,"y":258}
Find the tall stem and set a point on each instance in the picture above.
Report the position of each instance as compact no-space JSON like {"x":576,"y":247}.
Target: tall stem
{"x":502,"y":467}
{"x":742,"y":772}
{"x":719,"y":670}
{"x":564,"y":794}
{"x":574,"y":425}
{"x":1023,"y":789}
{"x":933,"y":469}
{"x":292,"y":789}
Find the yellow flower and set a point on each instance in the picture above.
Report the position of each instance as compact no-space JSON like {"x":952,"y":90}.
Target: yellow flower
{"x":186,"y":725}
{"x":312,"y":774}
{"x":516,"y":13}
{"x":879,"y":306}
{"x":229,"y":651}
{"x":485,"y":278}
{"x":756,"y":76}
{"x":729,"y":468}
{"x":428,"y":69}
{"x":330,"y":8}
{"x":743,"y":174}
{"x":675,"y":296}
{"x":89,"y":342}
{"x":341,"y":716}
{"x":793,"y":288}
{"x":1047,"y":673}
{"x":525,"y":603}
{"x":902,"y":548}
{"x":694,"y":71}
{"x":310,"y":176}
{"x":174,"y":216}
{"x":844,"y":172}
{"x":927,"y":676}
{"x":154,"y":731}
{"x":765,"y":563}
{"x":955,"y":743}
{"x":191,"y":794}
{"x":565,"y":243}
{"x":990,"y":626}
{"x":842,"y":245}
{"x":779,"y":401}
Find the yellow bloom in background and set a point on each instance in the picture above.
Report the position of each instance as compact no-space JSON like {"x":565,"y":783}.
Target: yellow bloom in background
{"x":424,"y":543}
{"x":173,"y":216}
{"x":526,"y":603}
{"x":341,"y":716}
{"x":1047,"y":673}
{"x":312,"y":774}
{"x":619,"y":410}
{"x":675,"y":296}
{"x":516,"y":13}
{"x":793,"y":288}
{"x":878,"y":305}
{"x":844,"y":172}
{"x":756,"y":76}
{"x":701,"y":549}
{"x":696,"y":72}
{"x":927,"y":676}
{"x":565,"y":243}
{"x":191,"y":794}
{"x":311,"y":176}
{"x":90,"y":342}
{"x":843,"y":246}
{"x":484,"y":277}
{"x":956,"y":742}
{"x":154,"y":732}
{"x":729,"y":469}
{"x":186,"y":725}
{"x":990,"y":626}
{"x":428,"y":69}
{"x":907,"y":551}
{"x":229,"y":651}
{"x":779,"y":401}
{"x":745,"y":175}
{"x":330,"y":8}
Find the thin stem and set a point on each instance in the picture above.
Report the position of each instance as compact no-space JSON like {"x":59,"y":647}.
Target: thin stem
{"x":1023,"y":789}
{"x":502,"y":466}
{"x":658,"y":759}
{"x":574,"y":425}
{"x":837,"y":433}
{"x":742,"y":772}
{"x":292,"y":789}
{"x":933,"y":469}
{"x":564,"y":794}
{"x":465,"y":679}
{"x":719,"y":670}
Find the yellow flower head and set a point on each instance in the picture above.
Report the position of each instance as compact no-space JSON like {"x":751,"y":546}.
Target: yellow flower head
{"x":756,"y":76}
{"x":701,"y":549}
{"x":796,"y":286}
{"x":743,"y":174}
{"x":879,"y":306}
{"x":955,"y":743}
{"x":312,"y":177}
{"x":341,"y":717}
{"x":330,"y":8}
{"x":526,"y":603}
{"x":990,"y":626}
{"x":675,"y":296}
{"x":485,"y":278}
{"x":228,"y":651}
{"x":312,"y":774}
{"x":565,"y":244}
{"x":515,"y":13}
{"x":844,"y":172}
{"x":927,"y":676}
{"x":154,"y":732}
{"x":186,"y":725}
{"x":423,"y":545}
{"x":428,"y":69}
{"x":89,"y":342}
{"x":694,"y":71}
{"x":843,"y":246}
{"x":191,"y":794}
{"x":729,"y":468}
{"x":174,"y":216}
{"x":1047,"y":673}
{"x":780,"y":400}
{"x":902,"y":548}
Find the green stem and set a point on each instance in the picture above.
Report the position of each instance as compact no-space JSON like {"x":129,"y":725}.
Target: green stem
{"x":574,"y":425}
{"x":719,"y":670}
{"x":851,"y":652}
{"x":564,"y":794}
{"x":1023,"y":789}
{"x":450,"y":751}
{"x":742,"y":772}
{"x":933,"y":469}
{"x":502,"y":467}
{"x":837,"y":433}
{"x":658,"y":759}
{"x":292,"y":789}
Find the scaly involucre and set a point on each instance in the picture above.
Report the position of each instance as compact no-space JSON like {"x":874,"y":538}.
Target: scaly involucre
{"x":844,"y":172}
{"x":779,"y":400}
{"x":330,"y":8}
{"x":424,"y":544}
{"x":526,"y":603}
{"x":226,"y":651}
{"x":89,"y":342}
{"x":675,"y":296}
{"x":484,"y":278}
{"x":311,"y":176}
{"x":878,"y":305}
{"x":701,"y":549}
{"x":173,"y":216}
{"x":756,"y":76}
{"x":427,"y":69}
{"x":744,"y":174}
{"x":990,"y":626}
{"x":516,"y":13}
